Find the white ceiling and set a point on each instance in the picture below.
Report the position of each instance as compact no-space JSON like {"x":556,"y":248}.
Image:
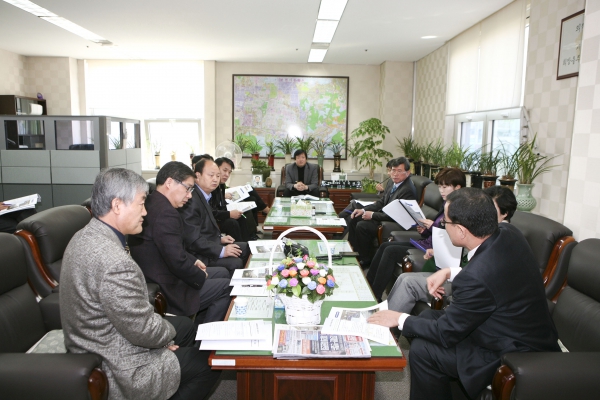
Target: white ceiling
{"x":370,"y":32}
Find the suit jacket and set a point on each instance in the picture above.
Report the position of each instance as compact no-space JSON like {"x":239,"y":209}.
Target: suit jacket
{"x":201,"y":232}
{"x":105,"y":310}
{"x":311,"y":175}
{"x":161,"y":254}
{"x":499,"y":306}
{"x":218,"y":203}
{"x":405,"y":191}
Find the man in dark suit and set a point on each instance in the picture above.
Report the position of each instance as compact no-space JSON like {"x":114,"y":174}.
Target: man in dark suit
{"x":301,"y":177}
{"x":200,"y":229}
{"x":499,"y":304}
{"x":363,"y":224}
{"x":186,"y":282}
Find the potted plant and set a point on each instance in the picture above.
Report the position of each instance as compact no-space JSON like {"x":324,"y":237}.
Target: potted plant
{"x":242,"y":141}
{"x":510,"y":168}
{"x":336,"y":147}
{"x":416,"y":153}
{"x":286,"y":146}
{"x":530,"y":165}
{"x":426,"y":156}
{"x":305,"y":143}
{"x":260,"y":167}
{"x":437,"y":158}
{"x":488,"y":165}
{"x":406,"y":146}
{"x":254,"y":148}
{"x":369,"y":185}
{"x":320,"y":145}
{"x":271,"y":146}
{"x":470,"y":164}
{"x":353,"y":154}
{"x":369,"y":136}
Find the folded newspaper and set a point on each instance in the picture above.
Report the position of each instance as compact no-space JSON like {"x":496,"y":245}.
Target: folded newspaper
{"x":297,"y":342}
{"x":353,"y":321}
{"x":22,"y":203}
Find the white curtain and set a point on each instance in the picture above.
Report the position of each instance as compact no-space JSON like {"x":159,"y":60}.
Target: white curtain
{"x":485,"y":63}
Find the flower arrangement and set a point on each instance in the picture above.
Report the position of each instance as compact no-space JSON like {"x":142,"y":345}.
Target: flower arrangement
{"x":299,"y":276}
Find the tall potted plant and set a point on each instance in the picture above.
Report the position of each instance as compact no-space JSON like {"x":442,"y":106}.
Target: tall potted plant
{"x":286,"y":146}
{"x":305,"y":144}
{"x":488,"y":164}
{"x":271,"y":144}
{"x":254,"y":148}
{"x":369,"y":137}
{"x":510,"y":168}
{"x":530,"y":165}
{"x":242,"y":141}
{"x":437,"y":158}
{"x":470,"y":164}
{"x":336,"y":147}
{"x":260,"y":167}
{"x":416,"y":152}
{"x":320,"y":146}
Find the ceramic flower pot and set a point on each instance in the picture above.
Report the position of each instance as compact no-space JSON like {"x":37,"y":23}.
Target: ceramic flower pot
{"x":300,"y":311}
{"x":525,"y":201}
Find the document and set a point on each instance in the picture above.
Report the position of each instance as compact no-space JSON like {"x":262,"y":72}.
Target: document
{"x":331,"y":221}
{"x":238,"y":193}
{"x":21,"y":203}
{"x":234,"y":330}
{"x":407,"y":213}
{"x":257,"y":308}
{"x":446,"y":254}
{"x":297,"y":342}
{"x":266,"y":247}
{"x":242,"y":206}
{"x":353,"y":321}
{"x":304,"y":197}
{"x":338,"y":246}
{"x":251,"y":290}
{"x":250,"y":276}
{"x":364,"y":203}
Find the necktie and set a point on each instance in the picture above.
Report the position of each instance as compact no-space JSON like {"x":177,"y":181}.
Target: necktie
{"x":465,"y":259}
{"x":394,"y":188}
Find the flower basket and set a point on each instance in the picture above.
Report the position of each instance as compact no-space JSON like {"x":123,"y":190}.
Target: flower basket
{"x":301,"y":283}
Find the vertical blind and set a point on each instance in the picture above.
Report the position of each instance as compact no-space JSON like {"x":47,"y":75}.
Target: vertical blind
{"x":485,"y":63}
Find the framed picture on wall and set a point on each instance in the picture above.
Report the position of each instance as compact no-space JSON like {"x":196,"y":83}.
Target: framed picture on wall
{"x":269,"y":108}
{"x":569,"y":47}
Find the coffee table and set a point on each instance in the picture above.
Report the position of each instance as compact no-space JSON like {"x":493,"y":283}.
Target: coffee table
{"x":260,"y":376}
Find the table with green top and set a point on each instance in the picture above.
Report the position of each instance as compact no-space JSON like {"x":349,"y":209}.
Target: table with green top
{"x":279,"y":219}
{"x":260,"y":376}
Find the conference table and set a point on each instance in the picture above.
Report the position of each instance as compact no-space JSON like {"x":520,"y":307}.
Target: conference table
{"x":262,"y":377}
{"x":325,"y":219}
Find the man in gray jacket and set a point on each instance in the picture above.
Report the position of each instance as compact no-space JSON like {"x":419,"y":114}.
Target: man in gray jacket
{"x":301,"y":177}
{"x":105,"y":309}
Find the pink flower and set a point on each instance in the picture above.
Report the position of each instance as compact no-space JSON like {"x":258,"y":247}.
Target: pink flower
{"x":310,"y":264}
{"x":285,"y":273}
{"x":293,"y":268}
{"x":304,"y":272}
{"x":314,"y":271}
{"x":305,"y":257}
{"x":293,"y":282}
{"x":320,"y":289}
{"x":331,"y":278}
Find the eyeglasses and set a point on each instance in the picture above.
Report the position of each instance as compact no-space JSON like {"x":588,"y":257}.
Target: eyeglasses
{"x":396,"y":171}
{"x":188,"y":189}
{"x":443,"y":223}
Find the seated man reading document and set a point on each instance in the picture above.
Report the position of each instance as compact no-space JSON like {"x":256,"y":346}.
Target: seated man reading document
{"x":499,"y":304}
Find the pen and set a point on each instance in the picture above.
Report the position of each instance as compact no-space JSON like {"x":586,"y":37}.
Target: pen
{"x":243,"y":216}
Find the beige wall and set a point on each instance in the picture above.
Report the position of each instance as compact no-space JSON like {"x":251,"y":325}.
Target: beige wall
{"x":12,"y":74}
{"x":582,"y":213}
{"x":50,"y":76}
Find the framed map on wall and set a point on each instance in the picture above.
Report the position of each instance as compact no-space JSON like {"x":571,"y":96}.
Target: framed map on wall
{"x":267,"y":108}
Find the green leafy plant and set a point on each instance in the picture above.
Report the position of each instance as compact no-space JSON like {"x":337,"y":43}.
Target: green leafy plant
{"x":337,"y":146}
{"x":116,"y":142}
{"x":470,"y":162}
{"x":437,"y":155}
{"x":426,"y":153}
{"x":242,"y":140}
{"x":417,"y":152}
{"x":254,"y":147}
{"x":368,"y":185}
{"x":406,"y":146}
{"x":530,"y":163}
{"x":455,"y":155}
{"x":320,"y":145}
{"x":369,"y":136}
{"x":271,"y":145}
{"x":488,"y":162}
{"x":286,"y":145}
{"x":305,"y":143}
{"x":509,"y":163}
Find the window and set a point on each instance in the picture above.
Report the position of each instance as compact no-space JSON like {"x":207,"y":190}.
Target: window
{"x":172,"y":138}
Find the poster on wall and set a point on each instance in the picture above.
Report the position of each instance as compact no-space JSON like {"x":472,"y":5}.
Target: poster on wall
{"x":569,"y":48}
{"x":271,"y":108}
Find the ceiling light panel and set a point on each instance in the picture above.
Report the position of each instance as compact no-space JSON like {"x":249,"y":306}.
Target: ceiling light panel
{"x":316,"y":55}
{"x":31,"y":8}
{"x":324,"y":31}
{"x":332,"y":9}
{"x":74,"y":28}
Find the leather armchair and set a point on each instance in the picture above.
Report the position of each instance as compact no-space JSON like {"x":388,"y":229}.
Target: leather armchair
{"x":323,"y":191}
{"x":576,"y":315}
{"x":22,"y":324}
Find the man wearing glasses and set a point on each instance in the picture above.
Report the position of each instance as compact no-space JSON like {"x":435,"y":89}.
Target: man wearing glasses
{"x":186,"y":282}
{"x":364,"y":223}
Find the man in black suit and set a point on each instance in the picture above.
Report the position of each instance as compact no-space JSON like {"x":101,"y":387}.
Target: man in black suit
{"x":363,"y":224}
{"x":301,"y":177}
{"x":186,"y":282}
{"x":499,"y":304}
{"x":200,"y":229}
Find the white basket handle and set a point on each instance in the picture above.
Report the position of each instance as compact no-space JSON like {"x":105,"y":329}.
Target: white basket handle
{"x":301,"y":228}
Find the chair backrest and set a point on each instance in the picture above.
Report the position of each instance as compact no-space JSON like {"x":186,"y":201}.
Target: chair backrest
{"x":151,"y":185}
{"x":46,"y":236}
{"x":577,"y":311}
{"x":432,"y":201}
{"x":319,"y":174}
{"x":420,"y":182}
{"x":21,"y":323}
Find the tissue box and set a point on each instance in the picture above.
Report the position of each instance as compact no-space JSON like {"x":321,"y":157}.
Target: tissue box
{"x":301,"y":209}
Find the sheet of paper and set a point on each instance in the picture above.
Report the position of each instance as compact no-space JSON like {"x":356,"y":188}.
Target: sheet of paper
{"x":265,"y":246}
{"x":346,"y":321}
{"x":242,"y":206}
{"x":253,"y":345}
{"x":250,"y":290}
{"x":446,"y":254}
{"x":238,"y":193}
{"x":364,"y":203}
{"x":234,"y":330}
{"x":339,"y":246}
{"x":352,"y":284}
{"x":276,"y":220}
{"x":21,"y":203}
{"x":399,"y":214}
{"x":333,"y":221}
{"x":258,"y":307}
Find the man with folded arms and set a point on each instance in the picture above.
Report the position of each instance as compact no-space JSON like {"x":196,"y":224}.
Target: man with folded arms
{"x":201,"y":232}
{"x":105,"y":309}
{"x":499,"y":304}
{"x":186,"y":282}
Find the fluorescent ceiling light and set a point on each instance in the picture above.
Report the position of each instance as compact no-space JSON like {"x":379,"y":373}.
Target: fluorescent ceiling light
{"x":317,"y":55}
{"x":332,"y":9}
{"x":74,"y":28}
{"x":31,"y":8}
{"x":428,"y":37}
{"x":324,"y":31}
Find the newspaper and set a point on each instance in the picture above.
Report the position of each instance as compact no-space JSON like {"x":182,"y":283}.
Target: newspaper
{"x":353,"y":321}
{"x":22,"y":203}
{"x":238,"y":193}
{"x":296,"y":342}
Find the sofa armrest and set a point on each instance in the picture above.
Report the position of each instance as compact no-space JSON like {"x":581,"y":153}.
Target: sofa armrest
{"x":387,"y":227}
{"x":50,"y":308}
{"x":413,"y":261}
{"x":550,"y":375}
{"x":279,"y":191}
{"x":405,"y":236}
{"x":52,"y":376}
{"x":157,"y":298}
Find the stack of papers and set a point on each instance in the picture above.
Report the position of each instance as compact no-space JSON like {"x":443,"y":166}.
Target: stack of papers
{"x":242,"y":206}
{"x":238,"y":193}
{"x":353,"y":321}
{"x":225,"y":335}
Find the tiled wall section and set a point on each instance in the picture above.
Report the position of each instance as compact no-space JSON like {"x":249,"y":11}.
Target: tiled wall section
{"x":396,"y":101}
{"x":51,"y":77}
{"x":550,"y":102}
{"x":12,"y":74}
{"x":364,"y":92}
{"x":582,"y":212}
{"x":430,"y":98}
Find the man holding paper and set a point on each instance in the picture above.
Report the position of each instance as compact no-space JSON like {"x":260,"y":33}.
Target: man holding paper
{"x":365,"y":222}
{"x":499,"y":304}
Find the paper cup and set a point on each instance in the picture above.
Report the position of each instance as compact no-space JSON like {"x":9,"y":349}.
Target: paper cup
{"x":241,"y":306}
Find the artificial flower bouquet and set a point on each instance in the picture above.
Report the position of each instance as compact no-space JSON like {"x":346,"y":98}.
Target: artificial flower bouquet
{"x":300,"y":276}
